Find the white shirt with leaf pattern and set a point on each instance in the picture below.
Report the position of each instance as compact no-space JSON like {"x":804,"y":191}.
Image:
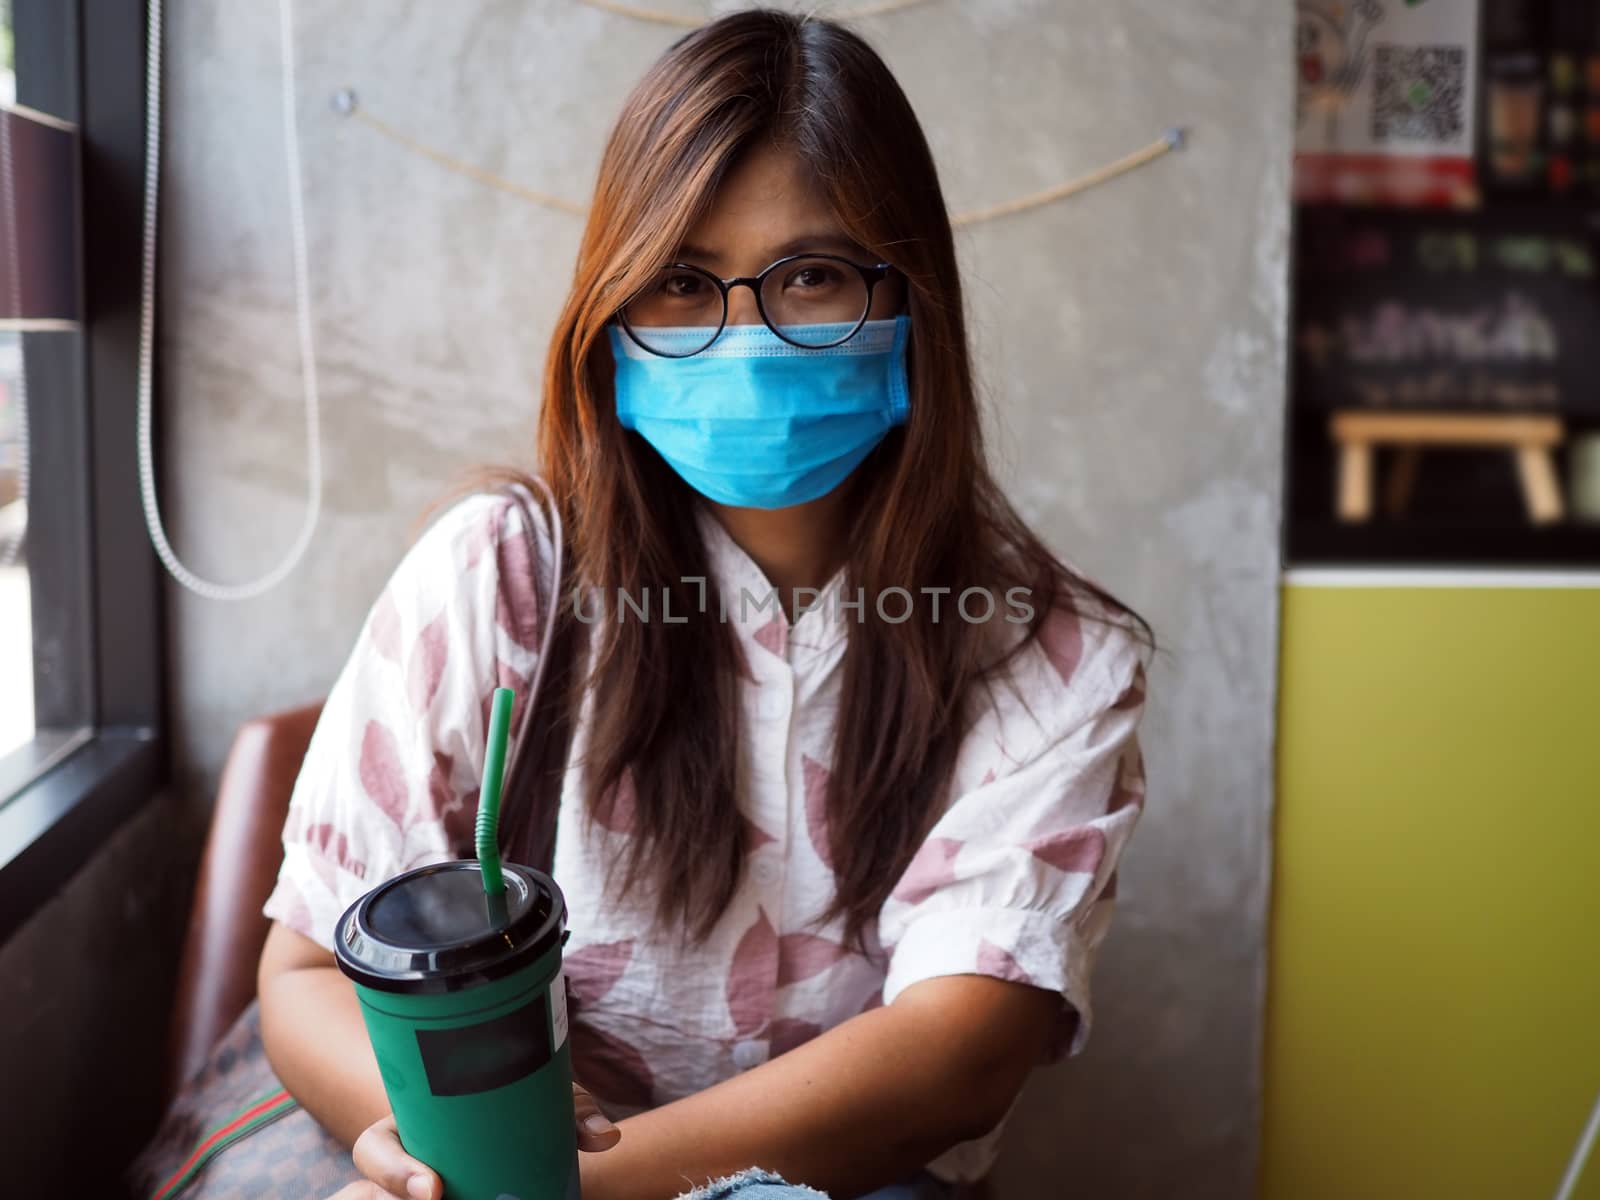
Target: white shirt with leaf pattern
{"x":1016,"y":879}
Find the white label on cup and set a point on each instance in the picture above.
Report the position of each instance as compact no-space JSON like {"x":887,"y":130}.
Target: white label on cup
{"x":558,"y":1010}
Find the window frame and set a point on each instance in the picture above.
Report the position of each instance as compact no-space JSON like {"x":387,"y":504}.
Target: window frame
{"x":99,"y":749}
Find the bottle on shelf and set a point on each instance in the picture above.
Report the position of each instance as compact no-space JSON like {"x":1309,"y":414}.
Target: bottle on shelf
{"x":1566,"y":111}
{"x":1515,"y":87}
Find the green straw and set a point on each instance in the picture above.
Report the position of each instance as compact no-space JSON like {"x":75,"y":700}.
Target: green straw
{"x":494,"y":769}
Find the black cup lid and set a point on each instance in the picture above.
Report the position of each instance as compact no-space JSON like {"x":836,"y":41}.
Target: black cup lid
{"x":434,"y":930}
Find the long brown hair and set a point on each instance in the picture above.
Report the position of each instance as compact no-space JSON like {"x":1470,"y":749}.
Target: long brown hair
{"x":665,"y":734}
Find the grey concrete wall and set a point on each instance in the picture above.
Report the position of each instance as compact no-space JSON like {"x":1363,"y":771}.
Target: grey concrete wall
{"x":1131,"y":343}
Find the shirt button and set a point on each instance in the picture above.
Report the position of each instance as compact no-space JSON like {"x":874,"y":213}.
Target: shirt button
{"x":749,"y":1054}
{"x":764,"y":871}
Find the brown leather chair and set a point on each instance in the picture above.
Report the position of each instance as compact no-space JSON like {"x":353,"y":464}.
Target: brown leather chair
{"x":227,"y":930}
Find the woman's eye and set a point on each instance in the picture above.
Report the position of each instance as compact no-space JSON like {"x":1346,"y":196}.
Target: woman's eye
{"x":682,"y":286}
{"x":813,"y":277}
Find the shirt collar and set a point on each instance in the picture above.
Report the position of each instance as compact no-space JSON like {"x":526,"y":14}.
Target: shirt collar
{"x":753,"y":604}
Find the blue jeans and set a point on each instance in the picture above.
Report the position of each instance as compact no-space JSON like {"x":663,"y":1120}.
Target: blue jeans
{"x":759,"y":1184}
{"x":921,"y":1186}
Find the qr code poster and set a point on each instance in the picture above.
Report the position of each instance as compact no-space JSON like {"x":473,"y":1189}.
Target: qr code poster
{"x":1384,"y":101}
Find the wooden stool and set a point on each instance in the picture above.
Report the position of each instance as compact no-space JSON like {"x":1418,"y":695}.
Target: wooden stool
{"x":1529,"y":438}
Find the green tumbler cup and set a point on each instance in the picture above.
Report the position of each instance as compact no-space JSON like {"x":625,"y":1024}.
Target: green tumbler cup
{"x":465,"y":1004}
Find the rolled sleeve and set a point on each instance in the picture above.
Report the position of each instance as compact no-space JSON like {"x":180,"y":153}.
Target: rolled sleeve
{"x":1016,"y":880}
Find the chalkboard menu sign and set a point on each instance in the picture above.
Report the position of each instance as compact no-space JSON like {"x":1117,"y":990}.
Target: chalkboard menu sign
{"x":1442,"y":311}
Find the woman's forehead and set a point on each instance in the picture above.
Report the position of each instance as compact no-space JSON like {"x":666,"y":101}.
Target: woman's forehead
{"x":768,"y":205}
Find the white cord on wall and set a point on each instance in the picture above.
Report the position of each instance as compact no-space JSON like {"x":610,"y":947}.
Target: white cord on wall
{"x":308,"y":361}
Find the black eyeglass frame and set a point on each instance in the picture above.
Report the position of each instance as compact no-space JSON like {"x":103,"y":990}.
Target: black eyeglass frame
{"x":871,"y":276}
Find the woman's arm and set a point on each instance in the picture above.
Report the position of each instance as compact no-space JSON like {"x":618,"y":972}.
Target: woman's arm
{"x":863,"y":1104}
{"x":858,"y":1107}
{"x":314,"y":1036}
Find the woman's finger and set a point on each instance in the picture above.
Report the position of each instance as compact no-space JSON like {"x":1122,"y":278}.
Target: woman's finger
{"x":595,"y":1130}
{"x":382,"y":1159}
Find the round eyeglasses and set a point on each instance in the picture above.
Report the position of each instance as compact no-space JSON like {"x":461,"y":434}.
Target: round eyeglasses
{"x":809,"y":300}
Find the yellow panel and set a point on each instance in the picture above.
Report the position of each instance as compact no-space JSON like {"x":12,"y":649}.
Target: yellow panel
{"x":1434,"y":1002}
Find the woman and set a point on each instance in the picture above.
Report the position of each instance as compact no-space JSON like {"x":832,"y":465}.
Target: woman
{"x":838,"y":826}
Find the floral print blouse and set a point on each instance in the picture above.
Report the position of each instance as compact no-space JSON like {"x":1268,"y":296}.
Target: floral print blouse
{"x":1016,"y":879}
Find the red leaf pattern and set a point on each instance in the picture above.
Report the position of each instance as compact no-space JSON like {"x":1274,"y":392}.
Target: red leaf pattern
{"x":609,"y":1067}
{"x":381,"y":775}
{"x":933,"y":868}
{"x":774,"y":635}
{"x":595,"y":969}
{"x":1132,"y":696}
{"x":327,"y":873}
{"x":789,"y":1032}
{"x":426,"y":667}
{"x":484,"y":533}
{"x":816,"y":781}
{"x":616,"y":812}
{"x":384,"y":627}
{"x":1129,"y":788}
{"x":334,"y":845}
{"x":1061,"y":638}
{"x":755,"y":837}
{"x":516,"y":602}
{"x":457,"y":813}
{"x":802,"y":955}
{"x":1079,"y":849}
{"x":752,"y":976}
{"x":995,"y":960}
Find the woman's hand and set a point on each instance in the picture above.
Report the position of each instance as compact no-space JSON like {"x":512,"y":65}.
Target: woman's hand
{"x":391,"y":1172}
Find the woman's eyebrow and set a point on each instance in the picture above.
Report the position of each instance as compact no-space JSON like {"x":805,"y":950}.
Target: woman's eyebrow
{"x":836,"y":242}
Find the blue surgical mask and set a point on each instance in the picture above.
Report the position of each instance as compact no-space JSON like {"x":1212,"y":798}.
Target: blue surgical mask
{"x":756,"y":422}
